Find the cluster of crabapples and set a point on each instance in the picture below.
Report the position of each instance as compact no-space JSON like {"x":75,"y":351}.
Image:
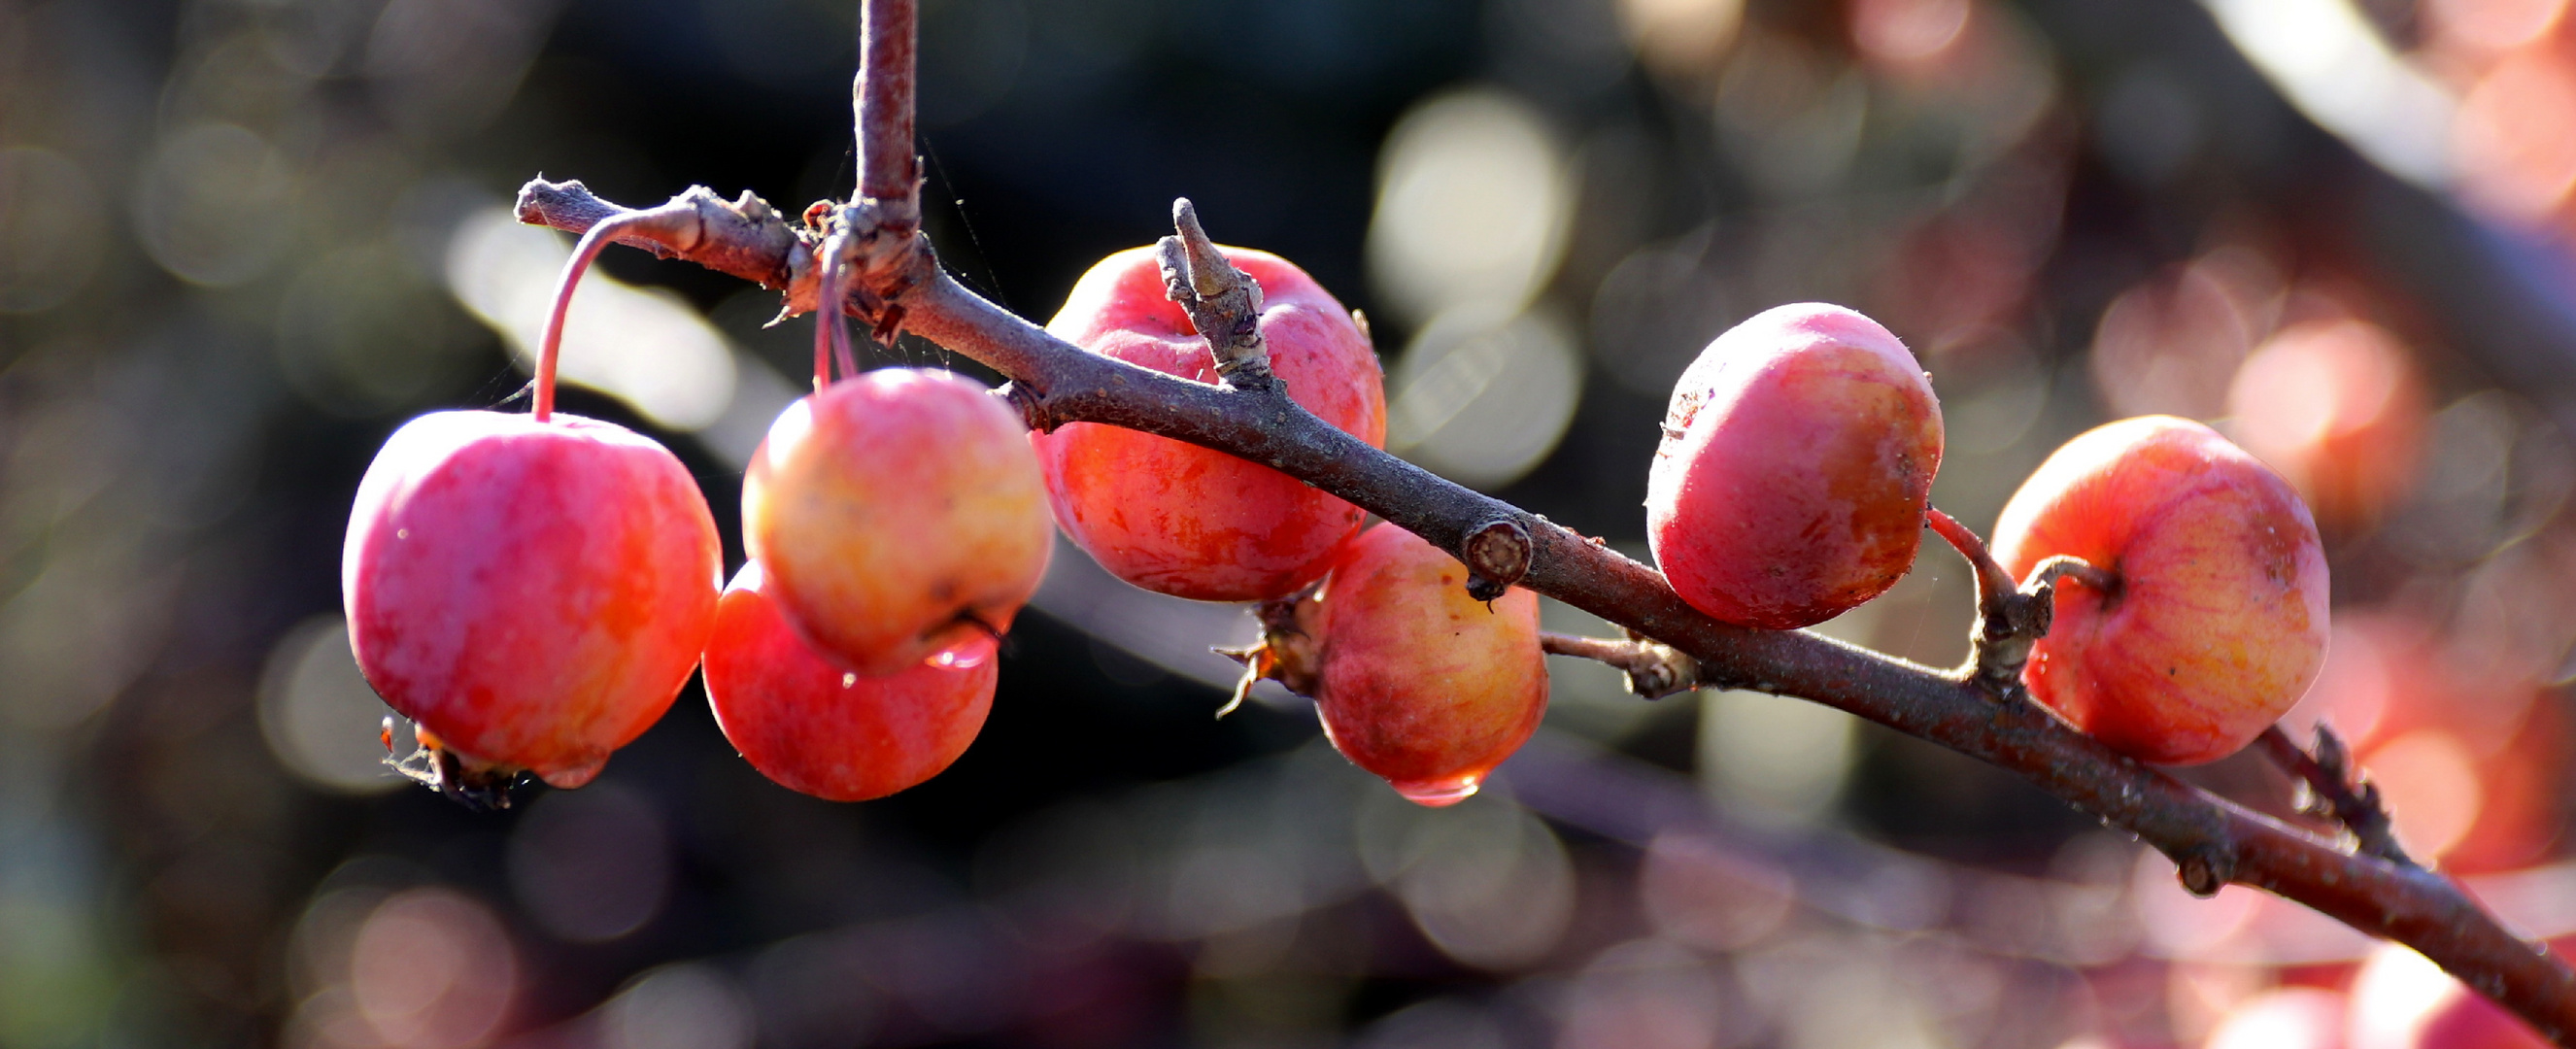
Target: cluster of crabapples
{"x":534,"y":590}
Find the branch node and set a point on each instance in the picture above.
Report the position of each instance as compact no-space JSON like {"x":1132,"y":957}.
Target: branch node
{"x":2010,"y":619}
{"x":1223,"y":303}
{"x":2204,"y":871}
{"x":1030,"y":405}
{"x":2330,"y":788}
{"x":1497,"y":556}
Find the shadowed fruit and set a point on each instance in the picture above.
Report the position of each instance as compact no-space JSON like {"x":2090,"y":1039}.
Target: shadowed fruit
{"x":1798,"y":455}
{"x":897,"y":515}
{"x":1421,"y":684}
{"x":1183,"y":520}
{"x":816,"y":728}
{"x":2218,"y":622}
{"x":532,"y":593}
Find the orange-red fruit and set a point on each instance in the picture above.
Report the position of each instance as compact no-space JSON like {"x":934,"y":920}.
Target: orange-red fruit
{"x":2219,"y":621}
{"x":816,"y":728}
{"x":1180,"y":519}
{"x":1798,"y":455}
{"x":532,"y":593}
{"x":1421,"y":684}
{"x":897,"y":514}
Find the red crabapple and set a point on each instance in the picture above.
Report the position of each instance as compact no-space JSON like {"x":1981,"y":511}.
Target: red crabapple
{"x":816,"y":728}
{"x":1421,"y":684}
{"x":2218,"y":622}
{"x":1184,"y":520}
{"x":532,"y":591}
{"x":1797,"y":458}
{"x":897,"y":514}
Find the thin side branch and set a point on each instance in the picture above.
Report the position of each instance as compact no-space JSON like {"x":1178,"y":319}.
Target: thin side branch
{"x":1223,"y":303}
{"x":2330,"y":788}
{"x":1654,"y":669}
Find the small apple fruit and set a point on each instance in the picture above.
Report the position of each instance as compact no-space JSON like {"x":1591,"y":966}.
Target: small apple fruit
{"x":1797,"y":459}
{"x":818,"y":729}
{"x":896,"y":515}
{"x":2218,"y":621}
{"x":532,"y":592}
{"x":1188,"y":521}
{"x":1422,"y":684}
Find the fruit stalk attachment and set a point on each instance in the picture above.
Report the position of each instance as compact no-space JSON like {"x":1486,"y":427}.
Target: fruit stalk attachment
{"x":1224,"y":303}
{"x":672,"y":220}
{"x":2331,"y":788}
{"x":2010,"y":617}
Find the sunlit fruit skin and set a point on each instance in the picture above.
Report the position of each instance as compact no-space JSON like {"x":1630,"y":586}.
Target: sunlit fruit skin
{"x":2219,"y":623}
{"x":1422,"y":684}
{"x":532,"y":593}
{"x":1797,"y":458}
{"x":816,"y":728}
{"x":1183,"y":520}
{"x":897,"y":515}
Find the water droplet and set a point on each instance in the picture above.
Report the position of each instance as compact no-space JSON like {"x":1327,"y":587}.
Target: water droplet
{"x":849,"y":680}
{"x":1439,"y":793}
{"x":402,"y":533}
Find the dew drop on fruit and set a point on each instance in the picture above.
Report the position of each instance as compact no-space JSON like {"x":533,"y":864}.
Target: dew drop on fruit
{"x":849,"y":680}
{"x":575,"y":776}
{"x":1440,"y":793}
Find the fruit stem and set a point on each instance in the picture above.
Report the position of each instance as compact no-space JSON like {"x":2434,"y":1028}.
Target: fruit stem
{"x":1223,"y":303}
{"x":2010,"y":618}
{"x":831,"y":318}
{"x":1654,"y":669}
{"x":598,"y":236}
{"x":1285,"y":652}
{"x":2331,"y":788}
{"x":550,"y":348}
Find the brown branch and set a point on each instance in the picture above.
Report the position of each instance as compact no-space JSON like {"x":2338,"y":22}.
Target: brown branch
{"x":2213,"y":841}
{"x":881,"y":100}
{"x":1654,"y":669}
{"x":2332,"y":789}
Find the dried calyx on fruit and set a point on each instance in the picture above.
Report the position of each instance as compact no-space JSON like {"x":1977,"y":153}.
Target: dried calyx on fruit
{"x":1190,"y":521}
{"x":533,"y":590}
{"x":2217,"y":620}
{"x":1797,"y":459}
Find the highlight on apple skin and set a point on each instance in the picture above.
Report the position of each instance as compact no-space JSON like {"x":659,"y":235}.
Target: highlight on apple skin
{"x":1797,"y":459}
{"x":1422,"y":684}
{"x":1188,"y":521}
{"x":2219,"y":620}
{"x":815,"y":728}
{"x":532,"y":593}
{"x":897,"y":515}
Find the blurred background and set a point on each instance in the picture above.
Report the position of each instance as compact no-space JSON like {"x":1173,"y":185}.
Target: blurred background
{"x":241,"y":240}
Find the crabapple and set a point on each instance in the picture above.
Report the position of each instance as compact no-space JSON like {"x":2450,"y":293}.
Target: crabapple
{"x":1797,"y":459}
{"x":1422,"y":684}
{"x":532,"y":591}
{"x":2334,"y":406}
{"x":1184,"y":520}
{"x":816,"y":728}
{"x":2218,"y":620}
{"x":896,"y":514}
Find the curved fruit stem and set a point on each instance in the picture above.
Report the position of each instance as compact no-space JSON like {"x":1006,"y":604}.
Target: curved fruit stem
{"x":550,"y":348}
{"x":1654,"y":669}
{"x":832,"y":327}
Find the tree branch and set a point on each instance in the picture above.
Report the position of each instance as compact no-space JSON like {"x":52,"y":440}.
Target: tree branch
{"x":2330,"y":788}
{"x":2213,"y":841}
